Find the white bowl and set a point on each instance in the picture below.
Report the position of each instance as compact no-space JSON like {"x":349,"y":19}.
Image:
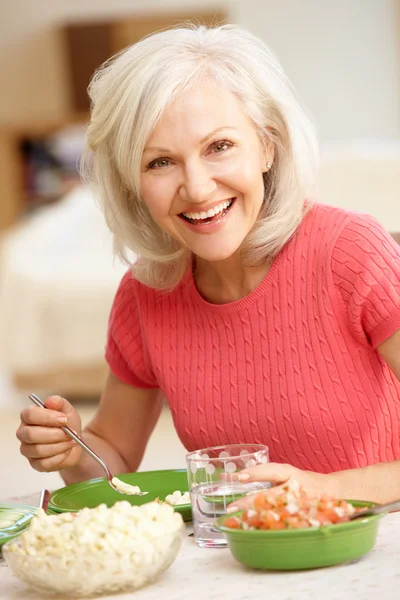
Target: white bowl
{"x":83,"y":574}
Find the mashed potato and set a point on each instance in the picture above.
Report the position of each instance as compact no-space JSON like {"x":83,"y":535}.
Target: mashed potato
{"x":98,"y":549}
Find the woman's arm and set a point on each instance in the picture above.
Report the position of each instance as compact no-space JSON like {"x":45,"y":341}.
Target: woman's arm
{"x":377,"y":483}
{"x":390,"y":352}
{"x":119,"y":431}
{"x":380,"y":482}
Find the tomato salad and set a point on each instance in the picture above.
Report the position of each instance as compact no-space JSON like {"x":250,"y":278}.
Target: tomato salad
{"x":291,"y":508}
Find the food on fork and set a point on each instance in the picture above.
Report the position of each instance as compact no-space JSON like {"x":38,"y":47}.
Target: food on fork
{"x":291,"y":508}
{"x":126,"y":488}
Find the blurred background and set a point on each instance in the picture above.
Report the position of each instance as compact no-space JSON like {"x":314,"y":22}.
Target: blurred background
{"x":57,"y":273}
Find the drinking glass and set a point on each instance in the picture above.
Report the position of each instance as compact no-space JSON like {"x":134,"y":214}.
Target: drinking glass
{"x":212,"y":485}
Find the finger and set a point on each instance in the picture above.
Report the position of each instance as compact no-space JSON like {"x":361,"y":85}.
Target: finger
{"x":45,"y":450}
{"x":247,"y":501}
{"x":241,"y":504}
{"x":58,"y":403}
{"x":30,"y":434}
{"x":276,"y":473}
{"x":35,"y":415}
{"x":48,"y":465}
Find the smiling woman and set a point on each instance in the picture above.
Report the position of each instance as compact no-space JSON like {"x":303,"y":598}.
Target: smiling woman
{"x":194,"y":113}
{"x":263,"y":316}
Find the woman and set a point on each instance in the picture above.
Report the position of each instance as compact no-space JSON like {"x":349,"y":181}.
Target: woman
{"x":262,"y":316}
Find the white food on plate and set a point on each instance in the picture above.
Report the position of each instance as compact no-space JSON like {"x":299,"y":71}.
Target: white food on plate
{"x":98,"y":549}
{"x":125,"y":488}
{"x":178,"y":498}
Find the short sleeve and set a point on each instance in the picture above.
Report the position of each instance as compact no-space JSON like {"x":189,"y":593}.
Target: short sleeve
{"x":125,"y":351}
{"x":366,"y":273}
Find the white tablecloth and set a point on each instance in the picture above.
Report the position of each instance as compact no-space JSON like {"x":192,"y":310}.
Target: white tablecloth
{"x":208,"y":574}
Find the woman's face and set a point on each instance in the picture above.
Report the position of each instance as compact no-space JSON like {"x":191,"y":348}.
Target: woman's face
{"x":201,"y":172}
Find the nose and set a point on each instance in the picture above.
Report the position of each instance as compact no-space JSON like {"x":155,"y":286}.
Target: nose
{"x":197,"y":185}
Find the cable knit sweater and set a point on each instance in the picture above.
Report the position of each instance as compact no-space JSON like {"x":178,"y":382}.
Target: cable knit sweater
{"x":293,"y":365}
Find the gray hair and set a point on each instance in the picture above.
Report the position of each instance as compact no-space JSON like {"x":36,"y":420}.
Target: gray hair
{"x":129,"y":94}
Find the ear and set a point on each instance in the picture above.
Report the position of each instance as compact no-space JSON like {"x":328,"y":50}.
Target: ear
{"x":269,"y":153}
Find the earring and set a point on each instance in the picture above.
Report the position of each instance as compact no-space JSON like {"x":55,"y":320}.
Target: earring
{"x":269,"y":165}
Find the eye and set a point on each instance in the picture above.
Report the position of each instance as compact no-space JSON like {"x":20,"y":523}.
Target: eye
{"x":221,"y":146}
{"x":159,"y":163}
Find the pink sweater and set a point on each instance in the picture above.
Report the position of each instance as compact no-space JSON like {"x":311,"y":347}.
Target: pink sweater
{"x":293,"y":365}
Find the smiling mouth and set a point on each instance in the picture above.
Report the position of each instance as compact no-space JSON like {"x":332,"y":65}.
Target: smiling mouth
{"x":210,"y":216}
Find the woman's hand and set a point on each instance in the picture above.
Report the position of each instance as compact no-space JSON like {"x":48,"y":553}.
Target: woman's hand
{"x":280,"y":475}
{"x":43,"y":442}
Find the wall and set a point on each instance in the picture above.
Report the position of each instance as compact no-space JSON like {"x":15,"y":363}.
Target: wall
{"x":31,"y":49}
{"x":343,"y":56}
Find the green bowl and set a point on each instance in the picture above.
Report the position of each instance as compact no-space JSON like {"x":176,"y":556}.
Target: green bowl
{"x":293,"y":549}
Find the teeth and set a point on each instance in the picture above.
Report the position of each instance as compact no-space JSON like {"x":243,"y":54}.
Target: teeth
{"x":210,"y":213}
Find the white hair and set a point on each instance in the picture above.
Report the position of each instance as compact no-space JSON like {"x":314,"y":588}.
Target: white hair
{"x":129,"y":94}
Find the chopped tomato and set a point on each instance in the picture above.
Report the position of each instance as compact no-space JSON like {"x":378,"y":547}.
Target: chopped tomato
{"x":252,"y":520}
{"x":260,"y":502}
{"x":276,"y":525}
{"x":232,"y":523}
{"x":291,"y":509}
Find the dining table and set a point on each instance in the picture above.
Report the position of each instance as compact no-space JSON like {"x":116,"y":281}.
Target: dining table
{"x":213,"y":574}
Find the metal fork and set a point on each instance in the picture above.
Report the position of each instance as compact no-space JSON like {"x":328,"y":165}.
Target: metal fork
{"x":36,"y":400}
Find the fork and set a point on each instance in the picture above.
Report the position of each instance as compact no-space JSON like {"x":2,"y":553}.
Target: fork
{"x":36,"y":400}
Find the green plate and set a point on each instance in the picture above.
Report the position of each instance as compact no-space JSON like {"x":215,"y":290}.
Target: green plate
{"x":292,"y":549}
{"x":97,"y":491}
{"x":14,"y":519}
